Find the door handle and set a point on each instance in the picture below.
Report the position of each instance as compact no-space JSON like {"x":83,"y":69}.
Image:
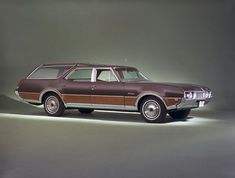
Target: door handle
{"x":93,"y":87}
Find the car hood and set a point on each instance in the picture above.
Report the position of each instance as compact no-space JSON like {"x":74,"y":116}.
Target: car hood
{"x":186,"y":87}
{"x":179,"y":86}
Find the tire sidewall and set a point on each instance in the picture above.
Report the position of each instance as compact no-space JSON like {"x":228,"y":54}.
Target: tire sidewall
{"x":160,"y":117}
{"x":60,"y":109}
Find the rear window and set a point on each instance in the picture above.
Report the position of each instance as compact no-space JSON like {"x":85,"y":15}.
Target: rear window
{"x":49,"y":72}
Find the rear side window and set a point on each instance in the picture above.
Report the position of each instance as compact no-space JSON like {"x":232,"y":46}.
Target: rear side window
{"x":49,"y":72}
{"x":81,"y":75}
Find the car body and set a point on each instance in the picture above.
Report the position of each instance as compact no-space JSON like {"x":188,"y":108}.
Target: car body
{"x":112,"y":87}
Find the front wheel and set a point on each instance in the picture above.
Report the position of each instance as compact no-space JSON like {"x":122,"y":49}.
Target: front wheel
{"x":181,"y":114}
{"x":153,"y":110}
{"x":53,"y":105}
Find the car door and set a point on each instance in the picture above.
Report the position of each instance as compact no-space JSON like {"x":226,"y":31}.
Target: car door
{"x":77,"y":87}
{"x":106,"y":90}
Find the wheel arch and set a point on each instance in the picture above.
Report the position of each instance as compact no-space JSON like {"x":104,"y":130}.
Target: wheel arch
{"x":47,"y":91}
{"x":141,"y":97}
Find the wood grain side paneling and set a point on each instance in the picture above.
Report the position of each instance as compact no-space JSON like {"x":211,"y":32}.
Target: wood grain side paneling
{"x":112,"y":100}
{"x":76,"y":98}
{"x":130,"y":101}
{"x":29,"y":95}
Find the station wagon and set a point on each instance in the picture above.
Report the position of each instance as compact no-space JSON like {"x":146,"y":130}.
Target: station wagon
{"x":89,"y":87}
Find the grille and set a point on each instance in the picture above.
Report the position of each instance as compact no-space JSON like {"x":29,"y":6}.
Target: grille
{"x":200,"y":95}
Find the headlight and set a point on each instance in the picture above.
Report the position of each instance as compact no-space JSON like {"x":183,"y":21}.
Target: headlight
{"x":189,"y":95}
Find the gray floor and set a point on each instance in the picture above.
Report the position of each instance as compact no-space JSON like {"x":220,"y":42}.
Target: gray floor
{"x":118,"y":145}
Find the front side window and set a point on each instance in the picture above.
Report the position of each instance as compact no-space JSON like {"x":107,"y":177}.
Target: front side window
{"x":49,"y":72}
{"x":105,"y":75}
{"x":131,"y":74}
{"x":81,"y":75}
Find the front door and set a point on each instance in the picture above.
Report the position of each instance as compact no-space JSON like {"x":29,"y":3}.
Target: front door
{"x":106,"y":90}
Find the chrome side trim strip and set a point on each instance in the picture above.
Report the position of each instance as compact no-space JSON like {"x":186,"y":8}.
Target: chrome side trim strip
{"x":101,"y":106}
{"x":99,"y":95}
{"x":130,"y":96}
{"x":74,"y":95}
{"x":32,"y":101}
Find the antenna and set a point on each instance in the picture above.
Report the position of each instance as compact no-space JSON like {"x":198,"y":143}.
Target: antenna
{"x":125,"y":61}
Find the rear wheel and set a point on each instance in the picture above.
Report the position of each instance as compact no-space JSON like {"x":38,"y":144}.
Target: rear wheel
{"x":153,"y":110}
{"x":85,"y":110}
{"x":181,"y":114}
{"x":53,"y":105}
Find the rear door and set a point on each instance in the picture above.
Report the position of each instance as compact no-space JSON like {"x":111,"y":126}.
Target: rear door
{"x":77,"y":87}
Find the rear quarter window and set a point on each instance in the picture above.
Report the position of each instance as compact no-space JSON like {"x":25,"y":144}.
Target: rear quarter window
{"x":48,"y":72}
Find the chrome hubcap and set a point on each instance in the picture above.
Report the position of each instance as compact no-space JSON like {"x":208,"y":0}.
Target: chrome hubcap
{"x":52,"y":104}
{"x":151,"y":110}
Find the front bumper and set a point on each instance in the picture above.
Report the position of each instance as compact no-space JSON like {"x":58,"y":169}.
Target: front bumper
{"x":187,"y":104}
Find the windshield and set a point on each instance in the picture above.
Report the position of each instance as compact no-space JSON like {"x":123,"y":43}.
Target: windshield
{"x":131,"y":74}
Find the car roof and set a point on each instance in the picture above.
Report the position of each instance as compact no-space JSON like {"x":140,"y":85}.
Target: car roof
{"x":83,"y":65}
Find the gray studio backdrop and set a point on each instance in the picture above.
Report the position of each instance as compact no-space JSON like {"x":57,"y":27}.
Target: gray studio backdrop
{"x":172,"y":40}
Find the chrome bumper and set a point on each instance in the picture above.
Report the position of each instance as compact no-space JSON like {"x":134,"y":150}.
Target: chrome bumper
{"x":186,"y":104}
{"x":17,"y":93}
{"x":18,"y":96}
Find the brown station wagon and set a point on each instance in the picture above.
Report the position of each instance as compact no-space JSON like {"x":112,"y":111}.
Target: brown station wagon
{"x":110,"y":87}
